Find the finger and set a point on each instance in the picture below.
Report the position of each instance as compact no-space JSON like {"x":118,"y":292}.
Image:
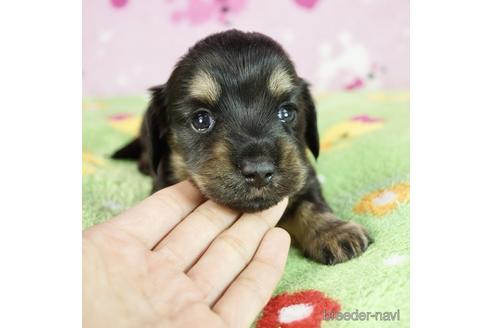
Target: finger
{"x":232,"y":250}
{"x":189,"y":239}
{"x":252,"y":289}
{"x":154,"y":217}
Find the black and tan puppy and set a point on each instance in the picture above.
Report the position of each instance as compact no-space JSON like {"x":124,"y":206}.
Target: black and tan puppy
{"x":235,"y":118}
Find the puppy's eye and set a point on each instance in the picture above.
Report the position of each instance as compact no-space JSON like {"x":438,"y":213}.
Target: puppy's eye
{"x":286,"y":113}
{"x":202,"y":121}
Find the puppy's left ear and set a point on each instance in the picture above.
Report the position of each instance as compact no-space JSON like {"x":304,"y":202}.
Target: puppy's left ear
{"x":311,"y":135}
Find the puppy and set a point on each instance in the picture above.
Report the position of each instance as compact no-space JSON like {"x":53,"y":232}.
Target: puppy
{"x":236,"y":120}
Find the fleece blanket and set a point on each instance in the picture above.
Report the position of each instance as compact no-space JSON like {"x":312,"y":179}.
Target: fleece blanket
{"x":364,"y":170}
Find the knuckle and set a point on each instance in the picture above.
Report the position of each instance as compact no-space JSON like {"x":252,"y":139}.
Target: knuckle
{"x":172,"y":257}
{"x":237,"y":245}
{"x":253,"y":288}
{"x":269,"y":267}
{"x":213,"y":217}
{"x":169,"y":201}
{"x":205,"y":285}
{"x":265,"y":222}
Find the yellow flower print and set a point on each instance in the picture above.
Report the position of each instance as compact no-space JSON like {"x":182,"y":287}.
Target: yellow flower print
{"x":126,"y":123}
{"x":389,"y":97}
{"x":93,"y":105}
{"x":320,"y":96}
{"x":339,"y":134}
{"x":90,"y":162}
{"x":383,"y":201}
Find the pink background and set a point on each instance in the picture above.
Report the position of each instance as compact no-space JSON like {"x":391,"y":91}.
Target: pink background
{"x":130,"y":45}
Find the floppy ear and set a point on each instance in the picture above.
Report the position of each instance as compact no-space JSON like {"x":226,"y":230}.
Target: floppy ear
{"x":311,"y":135}
{"x":156,"y":126}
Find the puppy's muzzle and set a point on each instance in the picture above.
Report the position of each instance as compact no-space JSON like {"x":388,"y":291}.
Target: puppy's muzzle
{"x":257,"y":172}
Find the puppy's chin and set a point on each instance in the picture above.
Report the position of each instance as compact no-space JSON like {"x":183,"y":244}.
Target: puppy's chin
{"x":251,"y":206}
{"x":241,"y":201}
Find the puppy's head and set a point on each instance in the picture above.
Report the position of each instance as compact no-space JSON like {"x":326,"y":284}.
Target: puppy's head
{"x":236,"y":119}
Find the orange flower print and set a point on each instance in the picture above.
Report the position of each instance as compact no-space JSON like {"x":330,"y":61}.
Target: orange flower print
{"x":383,"y":201}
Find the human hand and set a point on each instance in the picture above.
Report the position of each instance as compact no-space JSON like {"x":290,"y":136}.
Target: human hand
{"x":176,"y":260}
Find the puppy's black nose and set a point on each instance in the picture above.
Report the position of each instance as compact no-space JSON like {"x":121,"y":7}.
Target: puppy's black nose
{"x":258,"y":172}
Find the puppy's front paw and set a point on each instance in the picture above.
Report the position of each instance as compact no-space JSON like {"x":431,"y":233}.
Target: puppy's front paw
{"x":338,"y":242}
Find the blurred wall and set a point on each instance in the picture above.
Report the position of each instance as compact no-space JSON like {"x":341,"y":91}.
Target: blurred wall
{"x":130,"y":45}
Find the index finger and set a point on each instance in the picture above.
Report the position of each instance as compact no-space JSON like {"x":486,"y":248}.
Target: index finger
{"x":150,"y":220}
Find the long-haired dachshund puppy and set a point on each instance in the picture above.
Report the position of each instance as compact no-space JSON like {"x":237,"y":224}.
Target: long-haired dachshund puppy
{"x":236,"y":120}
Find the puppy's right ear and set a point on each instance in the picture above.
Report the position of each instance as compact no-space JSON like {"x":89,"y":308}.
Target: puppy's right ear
{"x":156,"y":125}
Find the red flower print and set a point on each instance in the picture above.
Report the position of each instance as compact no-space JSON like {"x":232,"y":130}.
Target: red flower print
{"x":304,"y":309}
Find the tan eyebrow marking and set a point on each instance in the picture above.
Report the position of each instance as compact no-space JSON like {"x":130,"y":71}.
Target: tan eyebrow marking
{"x":204,"y":87}
{"x":280,"y":82}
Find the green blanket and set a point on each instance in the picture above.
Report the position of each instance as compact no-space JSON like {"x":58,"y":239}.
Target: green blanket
{"x":364,"y":169}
